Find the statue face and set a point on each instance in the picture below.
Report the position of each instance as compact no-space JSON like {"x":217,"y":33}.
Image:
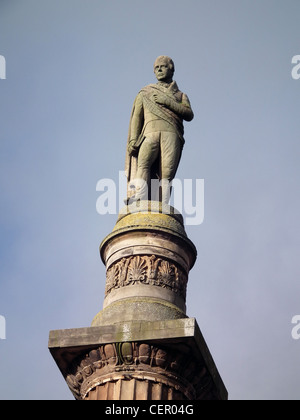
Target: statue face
{"x":162,"y":70}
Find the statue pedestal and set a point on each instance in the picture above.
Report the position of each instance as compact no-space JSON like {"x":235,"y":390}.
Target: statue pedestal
{"x":147,"y":257}
{"x":141,"y":345}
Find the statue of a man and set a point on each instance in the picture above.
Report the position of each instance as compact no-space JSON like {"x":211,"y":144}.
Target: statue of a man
{"x":155,"y":138}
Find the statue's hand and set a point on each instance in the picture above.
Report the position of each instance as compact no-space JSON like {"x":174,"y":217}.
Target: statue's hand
{"x":159,"y":99}
{"x":132,"y":149}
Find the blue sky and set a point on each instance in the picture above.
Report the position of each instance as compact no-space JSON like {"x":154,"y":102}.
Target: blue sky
{"x":73,"y":69}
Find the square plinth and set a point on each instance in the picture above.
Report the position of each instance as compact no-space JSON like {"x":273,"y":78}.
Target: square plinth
{"x":166,"y":349}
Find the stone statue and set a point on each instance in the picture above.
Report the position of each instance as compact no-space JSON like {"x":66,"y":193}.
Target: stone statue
{"x":155,"y":138}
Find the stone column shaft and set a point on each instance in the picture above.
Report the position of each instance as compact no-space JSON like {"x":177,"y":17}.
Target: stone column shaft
{"x":141,"y":345}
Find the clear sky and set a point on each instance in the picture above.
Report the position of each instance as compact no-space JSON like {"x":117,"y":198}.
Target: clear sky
{"x":73,"y":69}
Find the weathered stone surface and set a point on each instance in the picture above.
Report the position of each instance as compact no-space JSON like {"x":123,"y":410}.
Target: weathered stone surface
{"x":137,"y":308}
{"x":147,"y":257}
{"x":141,"y":345}
{"x":116,"y":362}
{"x":143,"y":231}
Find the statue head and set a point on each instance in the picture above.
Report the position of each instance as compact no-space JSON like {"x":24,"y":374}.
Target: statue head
{"x":164,"y":68}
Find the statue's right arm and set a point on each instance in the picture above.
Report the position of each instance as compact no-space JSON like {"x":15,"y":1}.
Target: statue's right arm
{"x":137,"y":119}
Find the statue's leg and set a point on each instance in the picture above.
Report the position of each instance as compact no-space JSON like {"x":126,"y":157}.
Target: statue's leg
{"x":148,"y":153}
{"x":171,"y":148}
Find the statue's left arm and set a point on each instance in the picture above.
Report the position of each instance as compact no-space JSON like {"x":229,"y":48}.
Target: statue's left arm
{"x":183,"y":108}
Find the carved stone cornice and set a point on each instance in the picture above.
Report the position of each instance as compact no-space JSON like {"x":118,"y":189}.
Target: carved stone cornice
{"x":138,"y":360}
{"x":174,"y":368}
